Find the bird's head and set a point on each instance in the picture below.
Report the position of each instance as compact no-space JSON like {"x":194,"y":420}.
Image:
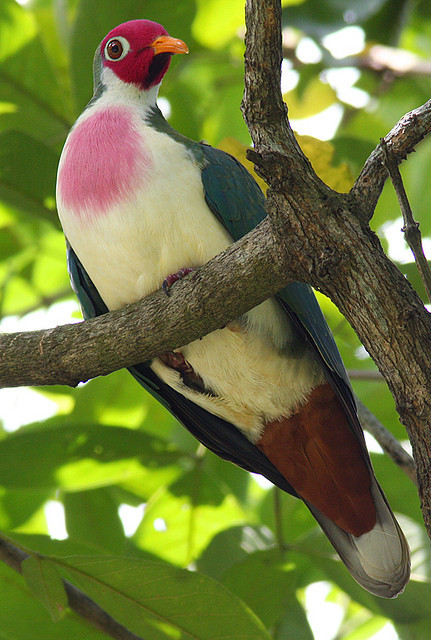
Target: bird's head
{"x":139,"y":52}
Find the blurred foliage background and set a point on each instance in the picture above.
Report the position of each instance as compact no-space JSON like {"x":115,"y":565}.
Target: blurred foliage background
{"x":94,"y":476}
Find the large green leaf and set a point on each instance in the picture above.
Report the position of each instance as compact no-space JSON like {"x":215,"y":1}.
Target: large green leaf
{"x":92,"y":518}
{"x":181,"y":519}
{"x":44,"y":545}
{"x":23,"y":617}
{"x":232,"y":546}
{"x":18,"y":505}
{"x":294,"y":623}
{"x":159,"y":602}
{"x":265,"y":581}
{"x":232,"y":478}
{"x":117,"y":400}
{"x":22,"y":183}
{"x":38,"y":105}
{"x":247,"y":561}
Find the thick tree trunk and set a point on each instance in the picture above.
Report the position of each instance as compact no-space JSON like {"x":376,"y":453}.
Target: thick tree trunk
{"x":325,"y":239}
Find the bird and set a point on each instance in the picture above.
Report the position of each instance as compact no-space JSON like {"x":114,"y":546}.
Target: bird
{"x":141,"y":205}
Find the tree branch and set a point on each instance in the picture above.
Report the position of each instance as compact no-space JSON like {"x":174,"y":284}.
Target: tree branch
{"x":365,"y":374}
{"x":387,"y":441}
{"x":393,"y":60}
{"x":400,"y":141}
{"x":411,"y":229}
{"x":328,"y":243}
{"x":229,"y":285}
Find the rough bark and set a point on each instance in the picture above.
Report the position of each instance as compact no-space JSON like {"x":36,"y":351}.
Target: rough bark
{"x":328,"y":243}
{"x":231,"y":284}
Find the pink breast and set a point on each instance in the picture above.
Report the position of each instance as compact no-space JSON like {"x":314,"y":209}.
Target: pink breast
{"x":105,"y":162}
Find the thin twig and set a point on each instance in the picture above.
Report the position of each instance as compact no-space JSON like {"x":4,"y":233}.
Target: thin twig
{"x":84,"y":606}
{"x":401,"y":140}
{"x":411,"y":229}
{"x":365,"y":374}
{"x":387,"y":441}
{"x":98,"y":617}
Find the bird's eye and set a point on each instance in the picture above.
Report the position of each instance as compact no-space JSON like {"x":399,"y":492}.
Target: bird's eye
{"x":116,"y":48}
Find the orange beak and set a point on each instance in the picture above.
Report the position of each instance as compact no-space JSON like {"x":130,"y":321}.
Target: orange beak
{"x":166,"y":44}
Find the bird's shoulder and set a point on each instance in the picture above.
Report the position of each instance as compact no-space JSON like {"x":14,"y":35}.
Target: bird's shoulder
{"x":231,"y":192}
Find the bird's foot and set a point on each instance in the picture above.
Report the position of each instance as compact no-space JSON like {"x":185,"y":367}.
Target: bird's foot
{"x":174,"y":277}
{"x":175,"y":360}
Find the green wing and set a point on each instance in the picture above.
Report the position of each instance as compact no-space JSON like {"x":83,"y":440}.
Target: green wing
{"x":237,"y":201}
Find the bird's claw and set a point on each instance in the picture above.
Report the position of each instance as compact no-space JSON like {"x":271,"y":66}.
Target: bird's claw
{"x":174,"y":277}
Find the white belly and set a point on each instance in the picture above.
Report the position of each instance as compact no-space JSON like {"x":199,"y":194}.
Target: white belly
{"x":130,"y":249}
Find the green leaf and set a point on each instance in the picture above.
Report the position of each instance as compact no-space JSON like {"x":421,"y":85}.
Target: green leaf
{"x":22,"y":617}
{"x":46,"y":584}
{"x":385,"y":25}
{"x":232,"y":478}
{"x":411,"y":272}
{"x":129,"y":405}
{"x":399,"y":489}
{"x":160,"y":602}
{"x":78,"y":457}
{"x":180,"y":520}
{"x":414,"y":631}
{"x":38,"y":105}
{"x":223,"y":116}
{"x":265,"y":582}
{"x":294,"y":623}
{"x":22,"y":184}
{"x":320,"y":18}
{"x":46,"y":546}
{"x":17,"y":506}
{"x":92,"y":518}
{"x":293,"y":517}
{"x":17,"y":28}
{"x":218,"y":21}
{"x":231,"y":546}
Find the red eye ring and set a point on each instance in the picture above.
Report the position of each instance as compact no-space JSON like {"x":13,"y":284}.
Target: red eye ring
{"x":114,"y":49}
